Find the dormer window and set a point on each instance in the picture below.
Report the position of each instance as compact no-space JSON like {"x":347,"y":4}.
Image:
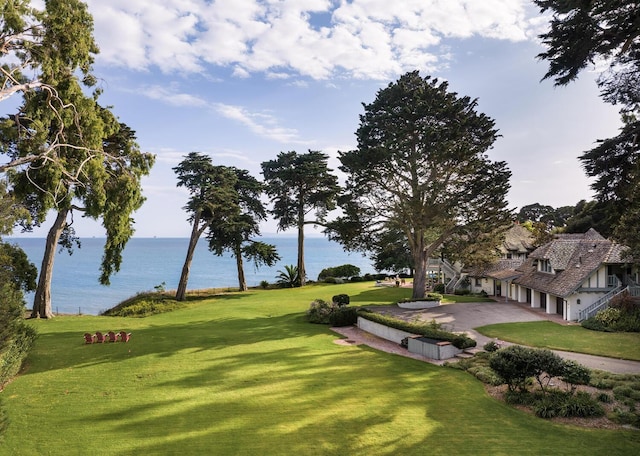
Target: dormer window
{"x":545,"y":266}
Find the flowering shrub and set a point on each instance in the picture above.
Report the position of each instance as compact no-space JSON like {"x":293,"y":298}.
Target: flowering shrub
{"x":320,"y":311}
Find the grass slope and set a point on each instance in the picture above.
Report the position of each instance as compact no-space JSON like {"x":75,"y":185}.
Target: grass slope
{"x":244,"y":374}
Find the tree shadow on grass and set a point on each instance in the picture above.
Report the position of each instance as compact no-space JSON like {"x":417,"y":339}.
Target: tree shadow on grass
{"x":62,"y":350}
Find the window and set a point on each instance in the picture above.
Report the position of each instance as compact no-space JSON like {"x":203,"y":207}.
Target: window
{"x":545,"y":266}
{"x":478,"y":282}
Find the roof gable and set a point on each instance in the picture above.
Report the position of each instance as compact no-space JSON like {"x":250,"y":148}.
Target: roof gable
{"x":573,"y":257}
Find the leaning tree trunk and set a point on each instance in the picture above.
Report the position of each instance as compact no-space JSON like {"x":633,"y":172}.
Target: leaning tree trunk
{"x":242,"y":281}
{"x":181,"y":293}
{"x":42,"y":299}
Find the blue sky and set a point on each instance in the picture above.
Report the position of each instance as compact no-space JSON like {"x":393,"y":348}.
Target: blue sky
{"x":242,"y":80}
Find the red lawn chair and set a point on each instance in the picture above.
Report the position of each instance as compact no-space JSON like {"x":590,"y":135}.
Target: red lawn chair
{"x":111,"y":336}
{"x":100,"y":338}
{"x":124,"y":336}
{"x":89,"y":338}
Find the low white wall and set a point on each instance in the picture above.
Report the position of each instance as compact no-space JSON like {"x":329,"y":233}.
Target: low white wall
{"x":438,"y":350}
{"x":392,"y":334}
{"x":418,"y":304}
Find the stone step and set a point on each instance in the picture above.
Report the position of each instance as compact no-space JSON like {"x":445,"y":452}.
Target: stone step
{"x":464,"y":355}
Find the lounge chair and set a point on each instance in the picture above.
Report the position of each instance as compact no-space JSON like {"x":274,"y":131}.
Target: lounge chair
{"x":111,"y":337}
{"x":100,"y":338}
{"x":124,"y":336}
{"x":89,"y":338}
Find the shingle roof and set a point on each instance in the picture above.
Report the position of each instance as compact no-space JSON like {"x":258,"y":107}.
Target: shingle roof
{"x":573,"y":257}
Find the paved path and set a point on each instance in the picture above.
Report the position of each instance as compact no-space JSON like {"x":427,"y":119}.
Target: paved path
{"x":465,"y":317}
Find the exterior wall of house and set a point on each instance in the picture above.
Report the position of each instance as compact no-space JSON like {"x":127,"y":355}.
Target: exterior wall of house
{"x":586,"y":299}
{"x":597,"y":280}
{"x":485,"y":284}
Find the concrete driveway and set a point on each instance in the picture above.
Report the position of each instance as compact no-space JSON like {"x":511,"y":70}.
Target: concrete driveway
{"x":464,"y":317}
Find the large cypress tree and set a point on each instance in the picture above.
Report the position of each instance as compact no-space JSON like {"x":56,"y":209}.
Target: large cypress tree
{"x":421,"y":168}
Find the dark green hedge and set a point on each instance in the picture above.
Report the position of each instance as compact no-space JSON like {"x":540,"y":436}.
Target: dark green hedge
{"x":427,"y":330}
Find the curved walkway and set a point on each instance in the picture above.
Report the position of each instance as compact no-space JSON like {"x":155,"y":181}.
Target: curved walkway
{"x":466,"y":316}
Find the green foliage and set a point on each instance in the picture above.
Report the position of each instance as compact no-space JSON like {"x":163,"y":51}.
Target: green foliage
{"x":622,"y":315}
{"x":344,"y":316}
{"x":264,"y":284}
{"x":417,"y":127}
{"x":344,"y":271}
{"x":341,"y":299}
{"x":289,"y":277}
{"x":144,"y":305}
{"x":516,"y":364}
{"x":427,"y":330}
{"x":580,"y":34}
{"x":491,"y":346}
{"x":16,"y":337}
{"x":439,"y":288}
{"x":575,"y":374}
{"x":320,"y":311}
{"x":428,"y":297}
{"x":298,"y":184}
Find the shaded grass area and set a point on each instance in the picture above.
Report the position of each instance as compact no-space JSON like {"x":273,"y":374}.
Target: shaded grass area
{"x":246,"y":374}
{"x":546,"y":334}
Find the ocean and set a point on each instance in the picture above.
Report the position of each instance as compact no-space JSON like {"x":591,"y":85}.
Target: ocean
{"x":151,"y":262}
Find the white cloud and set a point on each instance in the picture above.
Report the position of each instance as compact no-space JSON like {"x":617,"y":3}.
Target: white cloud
{"x":321,"y":39}
{"x":262,"y":124}
{"x":170,"y":96}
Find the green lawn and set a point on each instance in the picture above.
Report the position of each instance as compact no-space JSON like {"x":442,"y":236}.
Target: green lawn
{"x":244,"y":374}
{"x":546,"y":334}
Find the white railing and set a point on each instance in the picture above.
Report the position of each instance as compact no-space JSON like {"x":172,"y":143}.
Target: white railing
{"x":600,"y":304}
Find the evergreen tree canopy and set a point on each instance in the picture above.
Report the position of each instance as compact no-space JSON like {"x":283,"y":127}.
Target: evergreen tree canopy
{"x":421,"y":168}
{"x":299,"y":184}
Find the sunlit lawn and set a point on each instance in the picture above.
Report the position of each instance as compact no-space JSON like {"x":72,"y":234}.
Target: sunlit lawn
{"x":244,"y":374}
{"x":569,"y":338}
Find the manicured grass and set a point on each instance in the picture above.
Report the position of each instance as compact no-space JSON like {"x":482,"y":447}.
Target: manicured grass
{"x":546,"y":334}
{"x":244,"y":374}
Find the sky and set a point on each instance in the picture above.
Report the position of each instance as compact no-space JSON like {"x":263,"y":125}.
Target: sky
{"x":242,"y":80}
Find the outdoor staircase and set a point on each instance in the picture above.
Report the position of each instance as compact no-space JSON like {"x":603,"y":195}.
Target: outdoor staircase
{"x":603,"y":302}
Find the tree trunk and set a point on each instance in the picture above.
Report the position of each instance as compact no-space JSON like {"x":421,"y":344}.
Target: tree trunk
{"x":184,"y":276}
{"x":302,"y":274}
{"x":42,"y":298}
{"x":242,"y":281}
{"x":420,"y":275}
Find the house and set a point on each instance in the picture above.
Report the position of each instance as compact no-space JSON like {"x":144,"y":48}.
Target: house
{"x":574,"y":275}
{"x":514,"y":251}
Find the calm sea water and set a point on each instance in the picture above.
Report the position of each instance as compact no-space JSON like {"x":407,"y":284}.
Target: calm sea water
{"x":148,"y":262}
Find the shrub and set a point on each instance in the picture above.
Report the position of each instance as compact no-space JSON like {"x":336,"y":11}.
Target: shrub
{"x":330,"y":280}
{"x":580,"y":405}
{"x":344,"y":271}
{"x":341,"y":299}
{"x":594,"y":325}
{"x":264,"y":284}
{"x":439,"y":288}
{"x":144,"y":305}
{"x":485,"y":375}
{"x":320,"y":311}
{"x":356,"y":279}
{"x":491,"y":346}
{"x":604,"y":398}
{"x":608,"y":317}
{"x":513,"y":365}
{"x":344,"y":316}
{"x":575,"y":374}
